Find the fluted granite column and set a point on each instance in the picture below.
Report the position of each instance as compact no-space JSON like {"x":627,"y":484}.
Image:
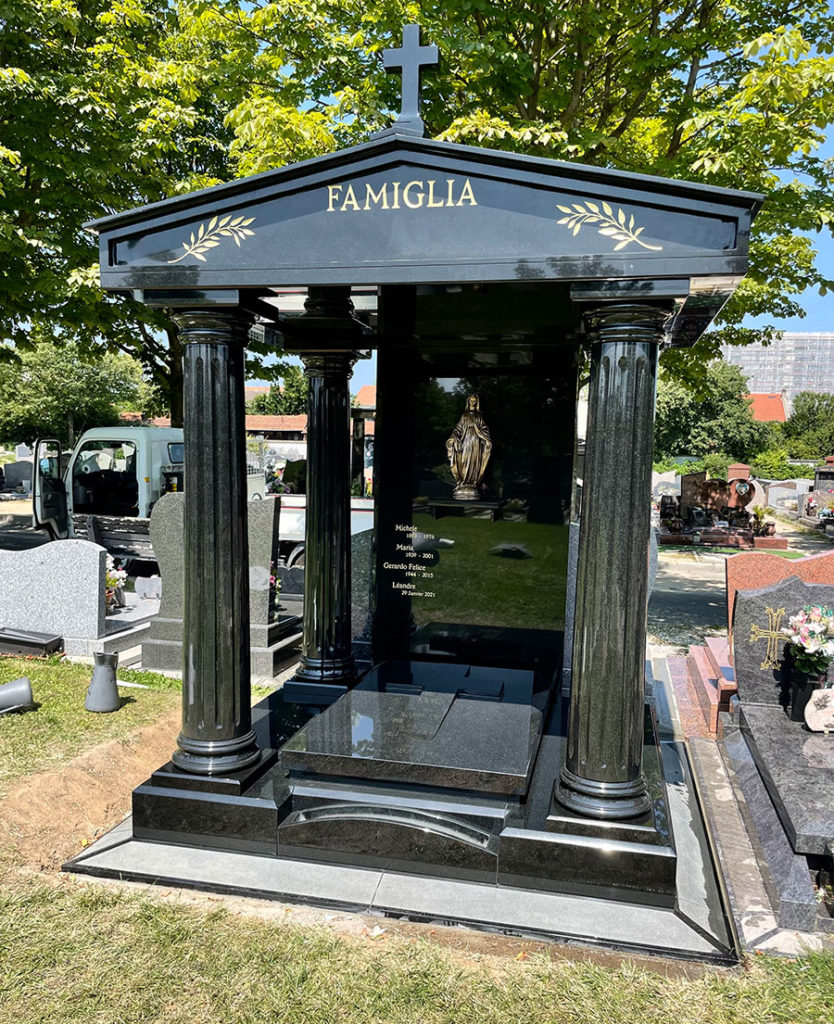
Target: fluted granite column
{"x":326,"y":649}
{"x":602,"y":776}
{"x":217,"y":736}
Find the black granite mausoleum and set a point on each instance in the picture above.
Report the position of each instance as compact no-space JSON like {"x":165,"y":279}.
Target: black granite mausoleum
{"x":438,"y":742}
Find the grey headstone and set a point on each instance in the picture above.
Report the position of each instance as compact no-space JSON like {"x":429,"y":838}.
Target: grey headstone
{"x":570,"y":606}
{"x":166,"y":532}
{"x":18,"y":473}
{"x":758,"y":644}
{"x":56,"y":588}
{"x":361,"y":555}
{"x":778,"y":495}
{"x":652,"y":558}
{"x":162,"y":648}
{"x":264,"y":518}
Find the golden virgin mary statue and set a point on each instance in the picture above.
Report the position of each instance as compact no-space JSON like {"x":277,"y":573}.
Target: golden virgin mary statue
{"x":469,"y":449}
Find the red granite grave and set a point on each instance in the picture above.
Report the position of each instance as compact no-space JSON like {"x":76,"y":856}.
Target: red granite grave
{"x":712,"y":679}
{"x":770,"y":543}
{"x":748,"y":571}
{"x":710,"y":671}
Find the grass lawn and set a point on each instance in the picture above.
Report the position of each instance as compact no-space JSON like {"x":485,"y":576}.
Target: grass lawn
{"x":470,"y":585}
{"x":80,"y":953}
{"x":71,"y":954}
{"x":60,"y":728}
{"x":726,"y":551}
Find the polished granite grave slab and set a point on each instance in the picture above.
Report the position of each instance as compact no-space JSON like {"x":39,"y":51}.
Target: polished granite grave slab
{"x":797,"y":767}
{"x":318,"y":838}
{"x":513,"y":647}
{"x":785,"y":873}
{"x":685,"y":931}
{"x":476,"y":728}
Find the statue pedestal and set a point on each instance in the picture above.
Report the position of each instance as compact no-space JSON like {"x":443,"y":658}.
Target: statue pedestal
{"x":459,"y":507}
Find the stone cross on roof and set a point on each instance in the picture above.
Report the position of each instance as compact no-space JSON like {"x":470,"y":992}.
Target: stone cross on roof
{"x":410,"y":58}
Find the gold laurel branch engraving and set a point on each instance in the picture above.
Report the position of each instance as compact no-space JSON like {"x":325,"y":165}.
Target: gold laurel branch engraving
{"x":619,"y":227}
{"x":209,"y":236}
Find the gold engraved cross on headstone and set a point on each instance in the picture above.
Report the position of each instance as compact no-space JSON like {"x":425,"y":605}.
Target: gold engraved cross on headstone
{"x":772,"y":635}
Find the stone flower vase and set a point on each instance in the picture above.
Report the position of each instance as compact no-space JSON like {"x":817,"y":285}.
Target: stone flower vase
{"x":103,"y":693}
{"x":803,"y":685}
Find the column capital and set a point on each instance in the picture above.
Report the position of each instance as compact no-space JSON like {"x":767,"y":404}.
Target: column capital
{"x":334,"y":366}
{"x":329,"y":301}
{"x":207,"y":326}
{"x":626,"y":322}
{"x":327,"y":323}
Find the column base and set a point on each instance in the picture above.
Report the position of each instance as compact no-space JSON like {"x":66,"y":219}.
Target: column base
{"x":607,"y":801}
{"x":226,"y":783}
{"x":320,"y":681}
{"x":216,"y":757}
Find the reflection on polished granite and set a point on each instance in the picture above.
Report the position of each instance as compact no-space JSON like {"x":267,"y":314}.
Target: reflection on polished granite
{"x":475,"y":728}
{"x":797,"y":767}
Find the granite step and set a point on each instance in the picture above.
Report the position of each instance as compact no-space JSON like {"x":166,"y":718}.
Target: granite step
{"x":689,"y":713}
{"x":705,"y":684}
{"x":718,"y":655}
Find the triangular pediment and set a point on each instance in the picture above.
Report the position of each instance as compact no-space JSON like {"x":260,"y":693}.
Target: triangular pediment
{"x":409,"y":210}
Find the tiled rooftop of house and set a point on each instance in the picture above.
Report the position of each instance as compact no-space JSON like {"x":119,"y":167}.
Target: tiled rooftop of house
{"x":768,"y":408}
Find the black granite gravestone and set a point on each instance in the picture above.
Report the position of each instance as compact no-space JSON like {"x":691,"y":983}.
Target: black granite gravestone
{"x":758,"y":641}
{"x":497,"y":276}
{"x":785,"y":772}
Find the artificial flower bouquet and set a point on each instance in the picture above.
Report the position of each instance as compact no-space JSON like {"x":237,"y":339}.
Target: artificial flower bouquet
{"x":811,"y":632}
{"x":114,"y":578}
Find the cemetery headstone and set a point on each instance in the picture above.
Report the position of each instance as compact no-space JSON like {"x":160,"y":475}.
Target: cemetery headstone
{"x":819,"y":711}
{"x":759,"y":644}
{"x":819,"y":499}
{"x":691,"y":484}
{"x":56,"y":588}
{"x":149,"y":587}
{"x":18,"y":475}
{"x":273,"y":619}
{"x":758,"y":569}
{"x":361,"y":560}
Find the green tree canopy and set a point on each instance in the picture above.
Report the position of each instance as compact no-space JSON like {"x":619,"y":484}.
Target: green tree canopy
{"x":730,"y":92}
{"x":286,"y":398}
{"x":115,"y":103}
{"x":809,"y":429}
{"x":719,"y":419}
{"x":101,"y":109}
{"x":54,"y":391}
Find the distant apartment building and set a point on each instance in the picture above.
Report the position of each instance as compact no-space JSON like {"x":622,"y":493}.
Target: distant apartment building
{"x":799,"y":361}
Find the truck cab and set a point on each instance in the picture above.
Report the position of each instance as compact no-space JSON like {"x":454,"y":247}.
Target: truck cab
{"x":109,"y":482}
{"x":105,"y":488}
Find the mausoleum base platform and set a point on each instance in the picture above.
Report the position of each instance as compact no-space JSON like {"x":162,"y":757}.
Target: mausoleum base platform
{"x":692,"y":930}
{"x":482,"y":859}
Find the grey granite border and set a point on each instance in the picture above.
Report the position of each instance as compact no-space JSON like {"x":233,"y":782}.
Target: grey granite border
{"x":520,"y":912}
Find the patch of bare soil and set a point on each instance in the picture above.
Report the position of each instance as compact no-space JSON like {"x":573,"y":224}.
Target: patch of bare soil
{"x":48,"y":817}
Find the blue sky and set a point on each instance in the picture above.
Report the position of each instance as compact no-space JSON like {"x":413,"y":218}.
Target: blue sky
{"x":819,"y":309}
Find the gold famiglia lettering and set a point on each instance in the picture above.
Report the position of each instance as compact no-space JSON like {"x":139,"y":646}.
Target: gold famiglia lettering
{"x":414,"y":195}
